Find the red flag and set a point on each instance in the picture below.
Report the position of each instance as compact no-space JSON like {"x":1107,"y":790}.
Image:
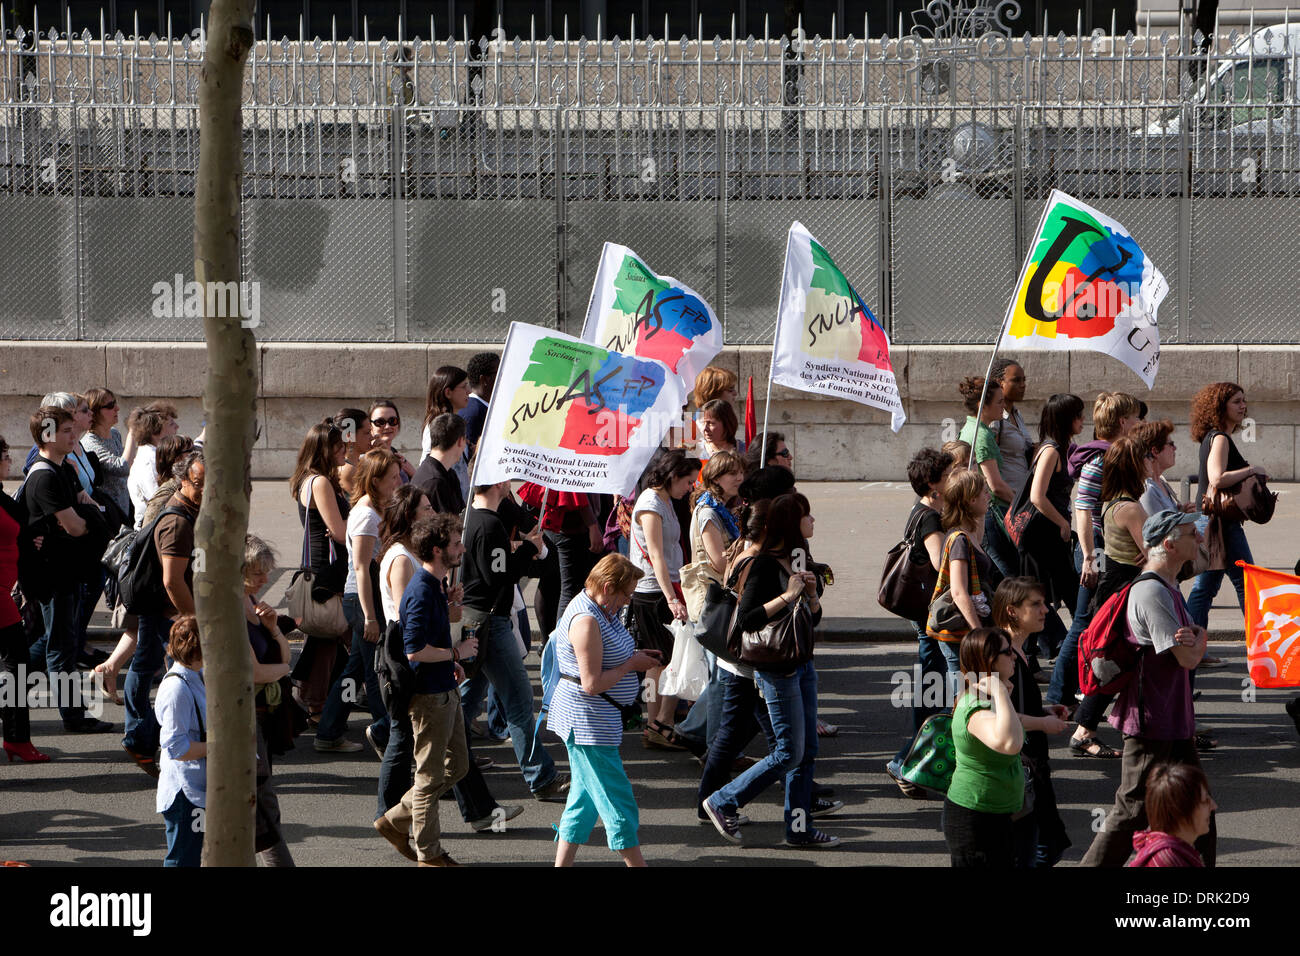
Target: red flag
{"x":1272,"y":626}
{"x":751,"y":420}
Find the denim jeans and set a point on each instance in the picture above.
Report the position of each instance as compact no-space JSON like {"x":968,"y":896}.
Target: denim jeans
{"x":792,"y":705}
{"x":932,"y":662}
{"x":950,"y":652}
{"x":140,"y":734}
{"x":395,"y":770}
{"x":184,"y":844}
{"x":62,"y":613}
{"x":360,"y":667}
{"x":743,"y":715}
{"x":1206,"y":589}
{"x":1065,"y":674}
{"x":501,"y":665}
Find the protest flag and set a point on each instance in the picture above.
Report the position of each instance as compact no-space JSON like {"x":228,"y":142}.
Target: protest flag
{"x":638,"y":312}
{"x":827,"y":341}
{"x":573,"y":416}
{"x":1272,"y":626}
{"x":1086,"y":284}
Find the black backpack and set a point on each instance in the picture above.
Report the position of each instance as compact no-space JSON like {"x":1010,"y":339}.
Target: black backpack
{"x":132,"y":560}
{"x":394,"y":670}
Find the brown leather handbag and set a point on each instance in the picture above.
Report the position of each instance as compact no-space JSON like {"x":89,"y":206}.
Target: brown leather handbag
{"x":1247,"y":500}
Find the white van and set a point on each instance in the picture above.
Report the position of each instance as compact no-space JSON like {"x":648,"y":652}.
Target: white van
{"x":1257,"y":75}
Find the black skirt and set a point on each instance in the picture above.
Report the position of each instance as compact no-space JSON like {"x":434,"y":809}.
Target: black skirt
{"x":650,"y":620}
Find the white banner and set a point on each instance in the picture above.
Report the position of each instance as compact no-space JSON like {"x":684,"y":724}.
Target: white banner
{"x":572,"y":416}
{"x":827,"y":340}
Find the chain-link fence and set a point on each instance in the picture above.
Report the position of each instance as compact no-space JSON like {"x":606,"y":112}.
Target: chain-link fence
{"x":421,"y":191}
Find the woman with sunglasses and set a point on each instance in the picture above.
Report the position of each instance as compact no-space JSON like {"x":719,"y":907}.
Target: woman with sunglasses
{"x":1155,"y":439}
{"x":385,"y":423}
{"x":988,"y":783}
{"x":104,"y":441}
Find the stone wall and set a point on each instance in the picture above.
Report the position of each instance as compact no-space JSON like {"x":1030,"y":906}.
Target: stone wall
{"x":832,"y":439}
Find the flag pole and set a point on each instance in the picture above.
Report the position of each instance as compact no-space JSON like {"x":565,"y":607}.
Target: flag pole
{"x":771,"y":365}
{"x":1006,"y":320}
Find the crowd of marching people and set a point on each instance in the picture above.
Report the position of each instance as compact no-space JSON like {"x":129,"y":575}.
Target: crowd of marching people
{"x":685,"y":611}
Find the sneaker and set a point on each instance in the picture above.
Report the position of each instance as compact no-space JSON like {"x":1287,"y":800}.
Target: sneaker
{"x":396,"y":837}
{"x":340,"y":746}
{"x":738,"y":819}
{"x":484,"y":763}
{"x":817,"y":840}
{"x":726,"y":824}
{"x":374,"y":744}
{"x":824,"y":808}
{"x":557,"y":791}
{"x":495,"y":819}
{"x":909,"y":789}
{"x":444,"y":860}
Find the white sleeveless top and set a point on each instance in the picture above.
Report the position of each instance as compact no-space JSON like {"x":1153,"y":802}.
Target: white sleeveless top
{"x":385,"y":593}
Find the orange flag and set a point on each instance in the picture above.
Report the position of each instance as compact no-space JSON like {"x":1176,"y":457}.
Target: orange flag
{"x":1272,"y":626}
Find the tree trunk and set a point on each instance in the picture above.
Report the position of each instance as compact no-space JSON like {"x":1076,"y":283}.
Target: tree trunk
{"x":229,"y":399}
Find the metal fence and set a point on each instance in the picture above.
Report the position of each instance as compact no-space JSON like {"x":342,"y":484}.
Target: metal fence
{"x":406,"y":191}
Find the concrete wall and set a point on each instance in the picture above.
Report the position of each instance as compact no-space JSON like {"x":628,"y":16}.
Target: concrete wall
{"x":833,"y":440}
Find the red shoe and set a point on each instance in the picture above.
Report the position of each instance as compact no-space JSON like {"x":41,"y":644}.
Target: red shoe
{"x":25,"y":752}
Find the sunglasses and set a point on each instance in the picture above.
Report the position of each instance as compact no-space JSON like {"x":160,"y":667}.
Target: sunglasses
{"x":104,"y":408}
{"x":1006,"y":651}
{"x":381,"y":422}
{"x":784,"y":453}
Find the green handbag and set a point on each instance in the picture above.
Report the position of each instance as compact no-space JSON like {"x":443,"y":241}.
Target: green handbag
{"x":932,"y":757}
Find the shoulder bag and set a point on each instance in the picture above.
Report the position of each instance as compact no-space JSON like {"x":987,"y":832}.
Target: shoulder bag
{"x":1247,"y":500}
{"x":717,"y":619}
{"x":906,"y":586}
{"x":785,"y":643}
{"x":945,"y":620}
{"x":1024,"y":521}
{"x":315,"y":618}
{"x":932,"y":757}
{"x":696,"y":576}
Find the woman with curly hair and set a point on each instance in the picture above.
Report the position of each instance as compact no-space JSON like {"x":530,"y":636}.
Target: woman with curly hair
{"x":1217,"y":411}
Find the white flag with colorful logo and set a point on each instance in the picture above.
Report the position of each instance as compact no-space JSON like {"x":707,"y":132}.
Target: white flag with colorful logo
{"x":573,"y":416}
{"x":827,"y":340}
{"x":638,"y":312}
{"x":1086,"y":284}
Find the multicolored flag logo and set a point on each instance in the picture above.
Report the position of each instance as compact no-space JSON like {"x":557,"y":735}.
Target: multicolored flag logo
{"x":572,"y":416}
{"x":1087,"y":284}
{"x":636,"y":311}
{"x":1272,"y":626}
{"x":827,"y":340}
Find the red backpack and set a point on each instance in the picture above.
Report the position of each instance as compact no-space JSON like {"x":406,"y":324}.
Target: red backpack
{"x":1107,"y":659}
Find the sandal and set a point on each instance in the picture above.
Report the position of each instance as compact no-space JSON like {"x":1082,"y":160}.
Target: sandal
{"x":826,"y":730}
{"x":1083,"y":748}
{"x":106,"y":681}
{"x":1204,"y":741}
{"x":660,"y":736}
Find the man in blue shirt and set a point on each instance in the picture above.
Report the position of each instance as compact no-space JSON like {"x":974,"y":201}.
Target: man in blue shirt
{"x":482,"y":370}
{"x":441,"y":751}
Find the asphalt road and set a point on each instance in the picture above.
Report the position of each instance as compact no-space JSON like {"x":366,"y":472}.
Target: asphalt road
{"x":90,"y":805}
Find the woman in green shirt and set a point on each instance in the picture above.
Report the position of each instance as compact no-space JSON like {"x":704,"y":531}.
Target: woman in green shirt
{"x":988,"y":458}
{"x":988,"y":783}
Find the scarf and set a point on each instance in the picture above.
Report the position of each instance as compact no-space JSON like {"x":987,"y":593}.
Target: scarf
{"x":724,"y":513}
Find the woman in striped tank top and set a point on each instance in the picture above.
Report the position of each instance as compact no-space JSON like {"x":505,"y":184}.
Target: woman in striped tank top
{"x":597,"y":656}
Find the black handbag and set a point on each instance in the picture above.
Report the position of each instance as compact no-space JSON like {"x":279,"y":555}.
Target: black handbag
{"x":1024,"y":523}
{"x":784,"y":644}
{"x":906,"y":585}
{"x":713,"y":629}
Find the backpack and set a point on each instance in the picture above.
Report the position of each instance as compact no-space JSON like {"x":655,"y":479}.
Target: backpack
{"x":1107,"y":659}
{"x":394,"y":670}
{"x":132,"y":560}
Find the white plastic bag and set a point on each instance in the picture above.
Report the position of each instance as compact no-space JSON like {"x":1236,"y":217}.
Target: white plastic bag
{"x":688,"y":673}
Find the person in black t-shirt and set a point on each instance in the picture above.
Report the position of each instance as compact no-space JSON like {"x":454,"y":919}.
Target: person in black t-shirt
{"x":434,"y":476}
{"x":52,"y":494}
{"x":926,"y":472}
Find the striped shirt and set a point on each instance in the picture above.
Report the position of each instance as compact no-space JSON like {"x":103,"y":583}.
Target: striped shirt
{"x":594,"y":722}
{"x":1088,"y":496}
